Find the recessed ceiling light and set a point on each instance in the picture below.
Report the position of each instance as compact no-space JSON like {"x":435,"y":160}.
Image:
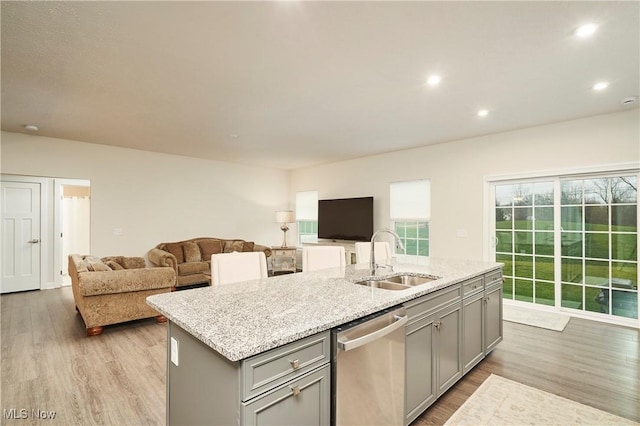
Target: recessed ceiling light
{"x":483,"y":112}
{"x":600,"y":85}
{"x":434,"y":80}
{"x":31,"y":127}
{"x":585,"y":30}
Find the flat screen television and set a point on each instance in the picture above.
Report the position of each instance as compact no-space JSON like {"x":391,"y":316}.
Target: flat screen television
{"x":346,"y":219}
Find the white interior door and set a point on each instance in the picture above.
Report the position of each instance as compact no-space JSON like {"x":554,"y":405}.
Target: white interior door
{"x":20,"y":236}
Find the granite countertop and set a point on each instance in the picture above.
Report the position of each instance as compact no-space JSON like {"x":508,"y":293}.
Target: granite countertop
{"x":243,"y":319}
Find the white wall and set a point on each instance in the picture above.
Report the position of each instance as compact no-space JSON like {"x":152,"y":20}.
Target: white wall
{"x":158,"y":197}
{"x":458,"y":170}
{"x":155,"y":197}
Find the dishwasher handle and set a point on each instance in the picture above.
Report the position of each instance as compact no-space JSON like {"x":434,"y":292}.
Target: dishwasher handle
{"x":400,"y":321}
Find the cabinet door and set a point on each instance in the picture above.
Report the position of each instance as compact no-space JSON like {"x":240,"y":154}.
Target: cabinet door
{"x":304,"y":401}
{"x":420,"y":391}
{"x":449,"y":346}
{"x":473,"y":331}
{"x":493,"y":317}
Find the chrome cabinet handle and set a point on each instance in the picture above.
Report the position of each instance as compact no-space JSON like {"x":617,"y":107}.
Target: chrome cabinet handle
{"x":34,"y":241}
{"x":295,"y":364}
{"x":437,"y":324}
{"x":295,"y":390}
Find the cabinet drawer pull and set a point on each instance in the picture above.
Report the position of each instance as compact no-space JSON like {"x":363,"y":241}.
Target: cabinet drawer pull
{"x":295,"y":390}
{"x":295,"y":364}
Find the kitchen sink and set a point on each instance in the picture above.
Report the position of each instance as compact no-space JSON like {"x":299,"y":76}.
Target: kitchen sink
{"x":399,"y":282}
{"x":387,"y":285}
{"x":410,"y":280}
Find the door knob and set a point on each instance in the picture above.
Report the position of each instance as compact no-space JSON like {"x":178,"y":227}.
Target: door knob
{"x":34,"y":241}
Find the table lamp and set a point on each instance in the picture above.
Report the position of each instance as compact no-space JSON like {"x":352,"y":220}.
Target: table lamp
{"x":284,"y":217}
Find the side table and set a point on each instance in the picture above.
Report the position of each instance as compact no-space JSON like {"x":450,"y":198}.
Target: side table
{"x":283,"y":259}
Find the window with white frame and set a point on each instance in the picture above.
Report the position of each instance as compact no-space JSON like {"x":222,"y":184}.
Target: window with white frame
{"x":570,"y":242}
{"x":410,"y":211}
{"x":307,"y":216}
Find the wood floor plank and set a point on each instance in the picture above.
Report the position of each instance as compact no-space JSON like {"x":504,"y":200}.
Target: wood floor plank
{"x":119,"y":377}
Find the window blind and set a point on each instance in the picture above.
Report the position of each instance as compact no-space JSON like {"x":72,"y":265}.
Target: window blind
{"x":411,"y":200}
{"x":307,"y":205}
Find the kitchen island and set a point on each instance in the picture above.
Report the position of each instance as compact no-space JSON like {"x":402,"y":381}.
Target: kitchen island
{"x":232,"y":346}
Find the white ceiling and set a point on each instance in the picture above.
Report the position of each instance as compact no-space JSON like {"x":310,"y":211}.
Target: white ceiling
{"x":292,"y":84}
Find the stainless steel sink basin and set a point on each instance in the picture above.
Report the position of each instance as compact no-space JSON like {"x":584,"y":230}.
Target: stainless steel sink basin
{"x":410,"y":280}
{"x":384,"y":284}
{"x":399,"y":282}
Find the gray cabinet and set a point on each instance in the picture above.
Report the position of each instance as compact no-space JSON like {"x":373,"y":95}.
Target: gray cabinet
{"x":482,"y":318}
{"x":473,"y":313}
{"x":448,"y":333}
{"x":302,"y":401}
{"x":288,"y":385}
{"x":433,"y":350}
{"x":493,"y":312}
{"x":473,"y":338}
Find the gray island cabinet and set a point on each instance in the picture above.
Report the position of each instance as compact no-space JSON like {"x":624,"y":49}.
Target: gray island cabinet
{"x":289,"y":385}
{"x":259,"y":352}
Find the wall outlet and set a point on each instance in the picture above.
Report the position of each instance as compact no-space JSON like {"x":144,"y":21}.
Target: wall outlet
{"x":461,"y":233}
{"x":118,"y":231}
{"x":174,"y":351}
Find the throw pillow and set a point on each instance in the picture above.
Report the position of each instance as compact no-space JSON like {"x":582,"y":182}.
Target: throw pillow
{"x":133,"y":262}
{"x":117,"y":259}
{"x":209,"y":248}
{"x":115,"y":266}
{"x":176,"y":250}
{"x":98,"y":266}
{"x":191,"y":252}
{"x":233,"y":245}
{"x":248,"y":246}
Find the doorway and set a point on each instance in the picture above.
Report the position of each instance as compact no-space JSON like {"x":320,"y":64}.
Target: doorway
{"x":75,"y":212}
{"x":44,"y":219}
{"x":570,"y":242}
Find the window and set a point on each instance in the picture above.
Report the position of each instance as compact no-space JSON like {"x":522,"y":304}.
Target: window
{"x":570,"y":242}
{"x":599,"y":239}
{"x":307,"y":216}
{"x":410,"y":211}
{"x":414,"y":236}
{"x":524,"y":240}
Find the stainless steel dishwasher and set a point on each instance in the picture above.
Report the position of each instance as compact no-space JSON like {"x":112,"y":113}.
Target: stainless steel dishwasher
{"x":368,"y":376}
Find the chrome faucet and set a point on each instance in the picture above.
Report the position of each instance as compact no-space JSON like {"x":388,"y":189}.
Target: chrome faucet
{"x":372,"y":258}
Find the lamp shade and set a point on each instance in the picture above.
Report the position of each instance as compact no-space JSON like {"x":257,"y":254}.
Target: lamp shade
{"x":285,"y":216}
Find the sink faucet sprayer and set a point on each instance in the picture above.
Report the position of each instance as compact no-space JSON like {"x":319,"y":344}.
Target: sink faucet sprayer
{"x":372,"y":258}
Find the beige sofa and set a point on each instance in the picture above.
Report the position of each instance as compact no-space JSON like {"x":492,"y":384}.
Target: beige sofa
{"x":191,"y":259}
{"x":112,"y":290}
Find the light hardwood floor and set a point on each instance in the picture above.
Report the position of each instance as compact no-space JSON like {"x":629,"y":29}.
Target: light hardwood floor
{"x":118,"y":378}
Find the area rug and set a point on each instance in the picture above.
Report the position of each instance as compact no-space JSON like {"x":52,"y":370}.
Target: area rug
{"x":499,"y":401}
{"x":549,"y":320}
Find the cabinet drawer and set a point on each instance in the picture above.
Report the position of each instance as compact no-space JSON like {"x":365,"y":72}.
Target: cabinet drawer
{"x":272,"y":368}
{"x":281,"y":252}
{"x":425,"y":304}
{"x":493,"y":278}
{"x":472,"y":286}
{"x":305,"y":400}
